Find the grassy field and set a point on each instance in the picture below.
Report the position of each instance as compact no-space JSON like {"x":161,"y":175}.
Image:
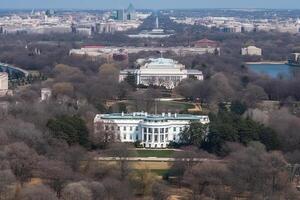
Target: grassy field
{"x":155,"y":153}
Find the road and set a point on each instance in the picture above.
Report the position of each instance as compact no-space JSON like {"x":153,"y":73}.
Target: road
{"x":156,"y":159}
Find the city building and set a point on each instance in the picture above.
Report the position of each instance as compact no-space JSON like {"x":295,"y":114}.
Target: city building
{"x":100,"y":51}
{"x":46,"y":94}
{"x":160,"y":72}
{"x":3,"y":83}
{"x":294,"y":59}
{"x":153,"y":131}
{"x":128,"y":14}
{"x":251,"y":51}
{"x":157,"y":32}
{"x":97,"y":51}
{"x":206,"y":43}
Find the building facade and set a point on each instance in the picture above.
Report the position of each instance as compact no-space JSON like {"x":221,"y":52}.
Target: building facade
{"x":153,"y":131}
{"x":3,"y":83}
{"x":161,"y":72}
{"x":251,"y":51}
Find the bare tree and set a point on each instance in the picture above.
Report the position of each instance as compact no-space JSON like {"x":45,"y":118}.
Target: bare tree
{"x":7,"y":184}
{"x":22,"y":160}
{"x":37,"y":192}
{"x":76,"y":191}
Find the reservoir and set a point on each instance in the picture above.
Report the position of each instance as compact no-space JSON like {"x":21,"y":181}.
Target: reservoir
{"x":274,"y":70}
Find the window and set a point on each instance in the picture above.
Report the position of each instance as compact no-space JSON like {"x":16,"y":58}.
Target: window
{"x":106,"y":127}
{"x":118,"y":128}
{"x":124,"y":136}
{"x":118,"y":136}
{"x":167,"y":130}
{"x":174,"y":129}
{"x":149,"y":138}
{"x":155,"y":138}
{"x":130,"y":136}
{"x":145,"y":130}
{"x":145,"y":137}
{"x":162,"y":138}
{"x":174,"y":137}
{"x":137,"y":128}
{"x":162,"y":130}
{"x":124,"y":128}
{"x":150,"y":130}
{"x":112,"y":128}
{"x":136,"y":137}
{"x":156,"y":130}
{"x":130,"y":128}
{"x":167,"y":137}
{"x":180,"y":129}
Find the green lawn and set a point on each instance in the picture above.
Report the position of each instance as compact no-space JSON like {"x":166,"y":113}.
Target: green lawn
{"x":155,"y":153}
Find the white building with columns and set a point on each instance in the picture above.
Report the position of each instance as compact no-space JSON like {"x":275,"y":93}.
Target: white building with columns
{"x":161,"y":72}
{"x":3,"y":83}
{"x":153,"y":131}
{"x":251,"y":51}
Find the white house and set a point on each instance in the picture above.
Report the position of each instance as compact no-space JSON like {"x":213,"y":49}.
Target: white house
{"x":154,"y":131}
{"x":251,"y":51}
{"x":161,"y":72}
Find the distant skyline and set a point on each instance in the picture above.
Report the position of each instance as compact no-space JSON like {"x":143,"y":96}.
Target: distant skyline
{"x":150,"y":4}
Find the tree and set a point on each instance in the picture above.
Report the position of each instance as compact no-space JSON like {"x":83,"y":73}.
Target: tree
{"x":264,"y":175}
{"x":7,"y":185}
{"x":238,"y":107}
{"x":72,"y":129}
{"x":76,"y":191}
{"x":37,"y":192}
{"x":142,"y":181}
{"x":104,"y":135}
{"x":193,"y":134}
{"x":55,"y":174}
{"x":131,"y":80}
{"x":208,"y":180}
{"x":182,"y":164}
{"x":121,"y":151}
{"x":22,"y":160}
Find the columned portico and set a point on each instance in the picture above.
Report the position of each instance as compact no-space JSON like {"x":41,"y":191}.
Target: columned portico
{"x":153,"y":131}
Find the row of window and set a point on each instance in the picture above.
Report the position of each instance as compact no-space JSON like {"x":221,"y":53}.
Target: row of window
{"x":162,"y":130}
{"x":124,"y":128}
{"x":147,"y":138}
{"x":161,"y":137}
{"x":146,"y":130}
{"x":129,"y":136}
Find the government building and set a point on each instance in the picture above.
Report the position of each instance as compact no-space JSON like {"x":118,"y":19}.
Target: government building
{"x":251,"y":51}
{"x":3,"y":83}
{"x":153,"y":131}
{"x":160,"y":72}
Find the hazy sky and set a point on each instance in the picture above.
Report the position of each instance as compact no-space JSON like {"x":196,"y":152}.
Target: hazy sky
{"x":152,"y":4}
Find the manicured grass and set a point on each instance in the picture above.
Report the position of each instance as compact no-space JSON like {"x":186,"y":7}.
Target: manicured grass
{"x":158,"y":172}
{"x":155,"y":153}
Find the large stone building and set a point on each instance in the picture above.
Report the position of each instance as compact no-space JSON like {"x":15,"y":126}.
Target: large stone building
{"x":153,"y":131}
{"x":161,"y":72}
{"x":251,"y":51}
{"x":3,"y":83}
